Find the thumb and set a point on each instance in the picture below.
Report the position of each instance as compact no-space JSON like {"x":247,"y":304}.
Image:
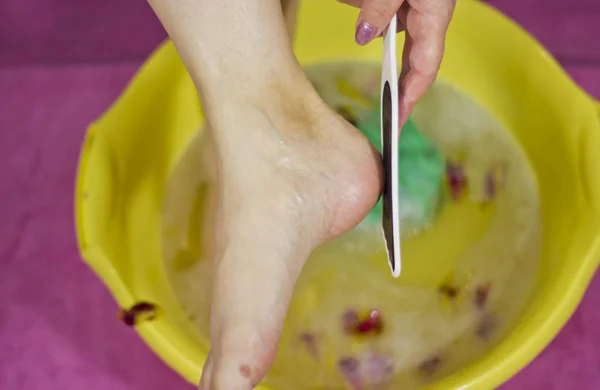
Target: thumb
{"x":374,"y":17}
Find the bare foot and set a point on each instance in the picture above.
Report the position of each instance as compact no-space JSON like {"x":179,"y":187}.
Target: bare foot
{"x":291,"y":175}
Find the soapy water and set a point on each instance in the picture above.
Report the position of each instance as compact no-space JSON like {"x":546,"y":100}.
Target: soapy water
{"x":466,"y":275}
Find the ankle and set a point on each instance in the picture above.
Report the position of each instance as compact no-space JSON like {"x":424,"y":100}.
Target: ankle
{"x":285,"y":103}
{"x":228,"y":84}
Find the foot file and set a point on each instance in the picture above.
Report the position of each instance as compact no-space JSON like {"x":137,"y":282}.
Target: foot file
{"x":389,"y":138}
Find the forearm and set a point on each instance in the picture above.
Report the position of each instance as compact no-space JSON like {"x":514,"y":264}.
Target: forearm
{"x":227,"y":44}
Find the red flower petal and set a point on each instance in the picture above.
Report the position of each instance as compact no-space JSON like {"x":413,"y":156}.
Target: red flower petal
{"x":457,"y":181}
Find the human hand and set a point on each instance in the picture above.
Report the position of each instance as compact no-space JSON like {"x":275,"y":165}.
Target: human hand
{"x":425,"y":23}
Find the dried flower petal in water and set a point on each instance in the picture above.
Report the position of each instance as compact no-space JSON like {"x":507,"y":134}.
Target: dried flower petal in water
{"x":489,"y":189}
{"x":372,"y":324}
{"x":350,"y":320}
{"x":486,"y":328}
{"x":457,"y":182}
{"x":482,"y":294}
{"x":430,"y":366}
{"x":141,"y":311}
{"x":494,"y":180}
{"x":349,"y":367}
{"x":310,"y":342}
{"x":379,"y":369}
{"x":449,"y":291}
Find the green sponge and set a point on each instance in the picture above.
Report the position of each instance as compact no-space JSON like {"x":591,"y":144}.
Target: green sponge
{"x":421,"y":168}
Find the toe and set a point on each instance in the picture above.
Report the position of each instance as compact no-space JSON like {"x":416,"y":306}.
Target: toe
{"x":243,"y":353}
{"x":251,"y":293}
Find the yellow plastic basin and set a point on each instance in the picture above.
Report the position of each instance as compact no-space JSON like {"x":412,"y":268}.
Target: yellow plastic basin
{"x":130,"y":151}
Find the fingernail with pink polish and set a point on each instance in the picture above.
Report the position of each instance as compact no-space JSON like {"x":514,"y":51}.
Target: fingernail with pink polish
{"x":365,"y":33}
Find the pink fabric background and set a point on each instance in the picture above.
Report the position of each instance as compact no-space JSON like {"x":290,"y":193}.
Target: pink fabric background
{"x":62,"y":62}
